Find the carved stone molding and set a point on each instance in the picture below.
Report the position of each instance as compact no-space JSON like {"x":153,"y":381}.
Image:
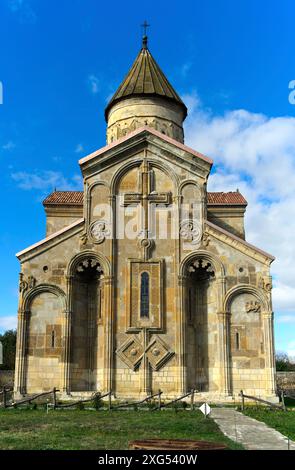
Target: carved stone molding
{"x":205,"y":239}
{"x":202,"y":268}
{"x":99,"y":231}
{"x":84,"y":238}
{"x":253,"y":306}
{"x":155,"y":269}
{"x":146,"y":245}
{"x":26,"y":284}
{"x":265,"y":283}
{"x":191,"y":231}
{"x":89,"y":265}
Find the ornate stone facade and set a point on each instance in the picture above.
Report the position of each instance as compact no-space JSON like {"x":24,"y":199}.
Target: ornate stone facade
{"x":136,"y":288}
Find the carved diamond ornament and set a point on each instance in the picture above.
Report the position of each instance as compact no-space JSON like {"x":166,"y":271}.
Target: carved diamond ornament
{"x":132,"y":352}
{"x":158,"y":353}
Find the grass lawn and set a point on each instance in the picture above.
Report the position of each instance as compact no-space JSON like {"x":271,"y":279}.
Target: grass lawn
{"x":82,"y":429}
{"x":282,"y":421}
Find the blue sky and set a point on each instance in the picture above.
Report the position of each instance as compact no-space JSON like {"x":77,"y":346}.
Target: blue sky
{"x":232,"y":61}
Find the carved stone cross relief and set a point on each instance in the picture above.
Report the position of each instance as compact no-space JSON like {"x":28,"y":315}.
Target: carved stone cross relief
{"x":146,"y":196}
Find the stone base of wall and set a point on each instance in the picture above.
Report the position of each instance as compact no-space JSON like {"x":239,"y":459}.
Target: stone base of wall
{"x":6,"y":377}
{"x":199,"y":398}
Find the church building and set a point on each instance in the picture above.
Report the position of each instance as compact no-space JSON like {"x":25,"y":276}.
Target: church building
{"x":144,"y":280}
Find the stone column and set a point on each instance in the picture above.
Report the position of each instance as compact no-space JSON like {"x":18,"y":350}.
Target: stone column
{"x":108,"y":321}
{"x":146,"y":374}
{"x":268,"y":329}
{"x":224,"y":350}
{"x":68,"y":313}
{"x":181,"y":325}
{"x":20,"y":370}
{"x":223,"y":337}
{"x":66,"y":383}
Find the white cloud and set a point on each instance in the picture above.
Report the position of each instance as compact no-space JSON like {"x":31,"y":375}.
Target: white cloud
{"x":23,"y":10}
{"x":185,"y":68}
{"x":8,"y":322}
{"x":93,"y":83}
{"x":46,"y":180}
{"x":286,"y":319}
{"x":256,"y":154}
{"x":79,"y":148}
{"x":9,"y":145}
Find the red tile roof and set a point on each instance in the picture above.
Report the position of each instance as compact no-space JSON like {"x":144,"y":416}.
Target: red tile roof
{"x":76,"y":198}
{"x":232,"y":197}
{"x":64,"y":197}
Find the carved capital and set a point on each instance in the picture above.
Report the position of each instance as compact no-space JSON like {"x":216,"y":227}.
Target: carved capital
{"x":107,"y":280}
{"x":68,"y":314}
{"x":205,"y":239}
{"x":267,"y":315}
{"x":21,"y":314}
{"x":182,"y":280}
{"x":84,"y":238}
{"x":223,"y":313}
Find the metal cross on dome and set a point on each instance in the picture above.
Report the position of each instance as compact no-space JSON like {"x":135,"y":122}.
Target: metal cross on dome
{"x":144,"y":26}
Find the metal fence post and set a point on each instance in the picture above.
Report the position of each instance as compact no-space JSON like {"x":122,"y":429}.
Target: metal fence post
{"x":159,"y":399}
{"x":4,"y":398}
{"x":192,"y":399}
{"x":283,"y":400}
{"x":243,"y":400}
{"x":54,"y":397}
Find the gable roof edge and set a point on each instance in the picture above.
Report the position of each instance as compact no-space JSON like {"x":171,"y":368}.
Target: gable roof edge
{"x":270,"y":257}
{"x":138,"y":131}
{"x":51,"y":237}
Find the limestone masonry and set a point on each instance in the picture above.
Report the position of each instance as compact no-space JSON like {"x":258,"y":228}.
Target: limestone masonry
{"x":144,"y":280}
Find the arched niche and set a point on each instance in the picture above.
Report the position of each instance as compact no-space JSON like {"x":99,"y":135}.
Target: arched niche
{"x":245,"y":305}
{"x":86,"y":299}
{"x":99,"y":200}
{"x":201,"y":305}
{"x":45,"y":310}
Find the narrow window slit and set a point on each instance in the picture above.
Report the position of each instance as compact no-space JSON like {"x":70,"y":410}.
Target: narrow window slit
{"x":53,"y":339}
{"x":237,"y":341}
{"x":144,"y":296}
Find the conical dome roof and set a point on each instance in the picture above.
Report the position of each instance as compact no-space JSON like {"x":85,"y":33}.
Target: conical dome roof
{"x":145,"y":78}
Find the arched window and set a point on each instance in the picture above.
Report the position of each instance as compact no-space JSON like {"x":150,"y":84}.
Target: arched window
{"x":144,"y":295}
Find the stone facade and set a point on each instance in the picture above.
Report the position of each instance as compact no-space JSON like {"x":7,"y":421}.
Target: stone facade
{"x":145,"y":285}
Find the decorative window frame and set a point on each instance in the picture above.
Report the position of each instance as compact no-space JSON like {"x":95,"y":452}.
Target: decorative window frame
{"x":135,"y":323}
